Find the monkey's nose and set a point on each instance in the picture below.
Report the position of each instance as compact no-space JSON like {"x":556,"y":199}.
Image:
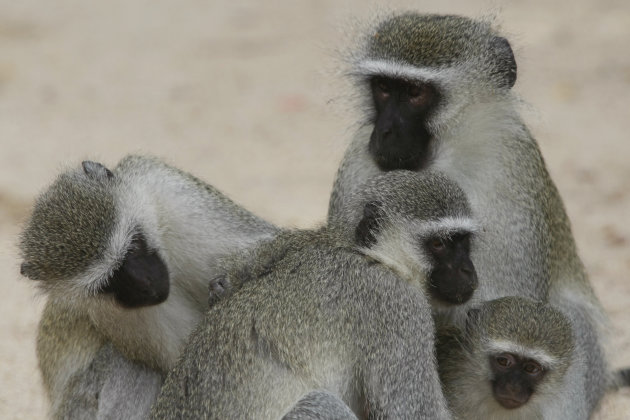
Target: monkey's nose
{"x":386,"y":133}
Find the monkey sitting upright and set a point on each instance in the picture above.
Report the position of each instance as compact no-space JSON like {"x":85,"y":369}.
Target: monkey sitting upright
{"x":437,"y":91}
{"x":124,"y":257}
{"x":345,"y":314}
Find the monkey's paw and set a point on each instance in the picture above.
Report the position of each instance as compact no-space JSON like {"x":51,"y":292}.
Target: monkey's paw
{"x":218,"y":288}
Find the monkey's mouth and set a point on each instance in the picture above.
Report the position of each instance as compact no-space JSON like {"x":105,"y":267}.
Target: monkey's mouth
{"x":390,"y":162}
{"x":449,"y":298}
{"x":510,"y":399}
{"x":510,"y":403}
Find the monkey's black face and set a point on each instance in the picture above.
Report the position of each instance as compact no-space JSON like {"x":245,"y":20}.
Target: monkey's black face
{"x":400,"y":139}
{"x":514,"y":378}
{"x":453,"y":279}
{"x":142,"y":279}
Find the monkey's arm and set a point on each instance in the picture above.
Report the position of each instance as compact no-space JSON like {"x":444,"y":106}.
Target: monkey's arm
{"x":86,"y":377}
{"x":66,"y":346}
{"x":128,"y":390}
{"x":112,"y":387}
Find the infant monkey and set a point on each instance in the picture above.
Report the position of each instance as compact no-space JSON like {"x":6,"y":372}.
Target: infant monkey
{"x":511,"y":361}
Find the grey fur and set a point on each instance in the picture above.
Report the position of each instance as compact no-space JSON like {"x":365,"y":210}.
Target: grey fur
{"x":78,"y":234}
{"x":439,"y":208}
{"x":111,"y":387}
{"x":463,"y":357}
{"x":323,"y":316}
{"x":525,"y":246}
{"x":320,"y":405}
{"x":59,"y":242}
{"x":442,"y":42}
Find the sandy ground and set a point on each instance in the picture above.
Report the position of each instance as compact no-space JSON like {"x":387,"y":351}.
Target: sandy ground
{"x":242,"y":95}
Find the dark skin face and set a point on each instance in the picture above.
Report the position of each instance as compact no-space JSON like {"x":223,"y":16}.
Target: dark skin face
{"x":514,"y":378}
{"x":453,"y":278}
{"x":400,"y":139}
{"x":142,"y":279}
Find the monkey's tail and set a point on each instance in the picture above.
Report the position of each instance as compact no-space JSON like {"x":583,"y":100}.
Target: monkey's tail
{"x":620,"y":378}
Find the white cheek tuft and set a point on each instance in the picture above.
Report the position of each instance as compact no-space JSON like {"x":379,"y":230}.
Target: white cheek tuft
{"x":396,"y":248}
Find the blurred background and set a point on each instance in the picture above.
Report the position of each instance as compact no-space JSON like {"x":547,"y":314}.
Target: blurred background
{"x":244,"y":95}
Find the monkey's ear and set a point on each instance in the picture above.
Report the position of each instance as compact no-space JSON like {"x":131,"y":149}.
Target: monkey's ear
{"x":96,"y":170}
{"x":506,"y":60}
{"x":370,"y":224}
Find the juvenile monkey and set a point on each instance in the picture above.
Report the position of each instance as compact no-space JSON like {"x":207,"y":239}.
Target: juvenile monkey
{"x":432,"y":253}
{"x":437,"y":90}
{"x":510,"y":362}
{"x":339,"y":313}
{"x":124,"y":257}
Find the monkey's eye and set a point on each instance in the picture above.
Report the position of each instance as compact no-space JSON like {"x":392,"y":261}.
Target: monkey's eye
{"x":504,"y":360}
{"x":532,"y":368}
{"x":419,"y":95}
{"x":437,"y":244}
{"x":380,"y":86}
{"x":414,"y":91}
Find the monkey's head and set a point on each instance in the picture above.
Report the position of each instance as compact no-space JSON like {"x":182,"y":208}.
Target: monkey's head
{"x":419,"y":71}
{"x":85,"y":239}
{"x":526,"y":347}
{"x":419,"y":225}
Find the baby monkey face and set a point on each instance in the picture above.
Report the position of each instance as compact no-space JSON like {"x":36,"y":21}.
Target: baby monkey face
{"x":514,"y":378}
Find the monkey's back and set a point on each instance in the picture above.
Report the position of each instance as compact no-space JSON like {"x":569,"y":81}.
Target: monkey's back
{"x":318,"y":316}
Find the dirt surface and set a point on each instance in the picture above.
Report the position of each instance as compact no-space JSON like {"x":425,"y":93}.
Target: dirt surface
{"x":242,"y":94}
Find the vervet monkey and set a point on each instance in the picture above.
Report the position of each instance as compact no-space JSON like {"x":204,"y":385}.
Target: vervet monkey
{"x":331,"y":312}
{"x":433,"y":254}
{"x":438,"y":94}
{"x":124,"y":257}
{"x":510,"y":362}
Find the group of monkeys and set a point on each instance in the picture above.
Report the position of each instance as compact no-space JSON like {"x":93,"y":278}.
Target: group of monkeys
{"x":445,"y":284}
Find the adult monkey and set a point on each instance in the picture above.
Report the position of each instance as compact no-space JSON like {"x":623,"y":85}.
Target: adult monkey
{"x":124,"y":257}
{"x":438,"y":91}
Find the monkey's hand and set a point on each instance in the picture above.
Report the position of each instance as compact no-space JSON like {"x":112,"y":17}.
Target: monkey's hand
{"x":225,"y":284}
{"x":218,"y":288}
